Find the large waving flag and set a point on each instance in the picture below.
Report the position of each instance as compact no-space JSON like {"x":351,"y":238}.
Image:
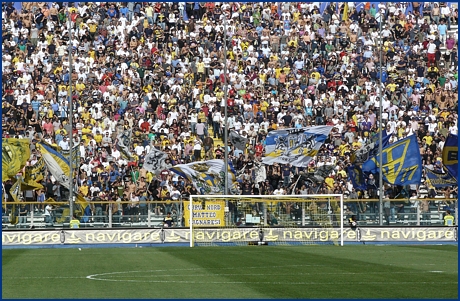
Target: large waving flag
{"x":357,"y":177}
{"x":450,"y":155}
{"x":15,"y":153}
{"x":440,"y":179}
{"x":75,"y":159}
{"x":35,"y":173}
{"x":237,"y":140}
{"x":208,"y":176}
{"x":371,"y":149}
{"x":154,"y":161}
{"x":401,"y":162}
{"x":57,"y":164}
{"x":294,"y":146}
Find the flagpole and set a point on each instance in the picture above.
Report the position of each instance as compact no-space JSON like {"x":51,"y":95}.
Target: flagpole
{"x":70,"y":124}
{"x":225,"y":107}
{"x":380,"y":127}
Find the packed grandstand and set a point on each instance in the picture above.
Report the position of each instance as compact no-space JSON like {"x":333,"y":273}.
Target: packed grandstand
{"x":149,"y":95}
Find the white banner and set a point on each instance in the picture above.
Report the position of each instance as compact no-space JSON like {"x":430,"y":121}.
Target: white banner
{"x":296,"y":146}
{"x":208,"y":176}
{"x":155,"y":161}
{"x":182,"y":235}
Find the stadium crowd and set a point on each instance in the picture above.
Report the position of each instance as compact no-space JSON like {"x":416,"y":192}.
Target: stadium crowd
{"x":157,"y":69}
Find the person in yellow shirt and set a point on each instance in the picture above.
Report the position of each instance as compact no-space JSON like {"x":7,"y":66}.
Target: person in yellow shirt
{"x":342,"y":172}
{"x":278,"y":71}
{"x":85,"y":115}
{"x":263,"y":77}
{"x":149,"y":177}
{"x":80,"y":86}
{"x":315,"y":74}
{"x":219,"y":94}
{"x":74,"y":223}
{"x":428,"y":139}
{"x":286,"y":70}
{"x":448,"y":219}
{"x":293,"y":43}
{"x":295,"y":16}
{"x":356,"y":144}
{"x":329,"y":182}
{"x":200,"y":69}
{"x":231,"y":55}
{"x":61,"y":131}
{"x":84,"y":189}
{"x":392,"y":86}
{"x":264,"y":107}
{"x":244,"y":45}
{"x":98,"y":137}
{"x":202,"y":116}
{"x":444,"y":114}
{"x":343,"y":147}
{"x":49,"y":38}
{"x":92,"y":53}
{"x":16,"y":59}
{"x":401,"y":131}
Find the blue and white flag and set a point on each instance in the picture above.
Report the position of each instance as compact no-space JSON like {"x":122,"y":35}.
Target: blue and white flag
{"x":401,"y":162}
{"x":208,"y":177}
{"x":294,"y":146}
{"x":439,"y":180}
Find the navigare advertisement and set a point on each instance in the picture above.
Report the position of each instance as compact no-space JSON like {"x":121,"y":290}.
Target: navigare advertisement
{"x":181,"y":235}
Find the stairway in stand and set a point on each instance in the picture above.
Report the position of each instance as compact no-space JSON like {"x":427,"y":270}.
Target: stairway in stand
{"x":217,"y":141}
{"x":453,"y":32}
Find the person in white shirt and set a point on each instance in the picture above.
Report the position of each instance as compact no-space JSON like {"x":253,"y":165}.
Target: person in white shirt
{"x":64,"y":144}
{"x":278,"y":191}
{"x":431,"y":52}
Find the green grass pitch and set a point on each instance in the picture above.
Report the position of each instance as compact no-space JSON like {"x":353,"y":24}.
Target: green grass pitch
{"x":355,"y":271}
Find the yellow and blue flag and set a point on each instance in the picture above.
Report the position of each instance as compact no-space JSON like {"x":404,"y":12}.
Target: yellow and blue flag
{"x":450,"y":155}
{"x":401,"y":162}
{"x":35,"y":173}
{"x":84,"y":211}
{"x":15,"y":154}
{"x":75,"y":156}
{"x":357,"y":177}
{"x":208,"y":177}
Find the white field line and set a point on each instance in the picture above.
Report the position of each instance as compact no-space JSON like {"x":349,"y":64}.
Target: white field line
{"x":111,"y":276}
